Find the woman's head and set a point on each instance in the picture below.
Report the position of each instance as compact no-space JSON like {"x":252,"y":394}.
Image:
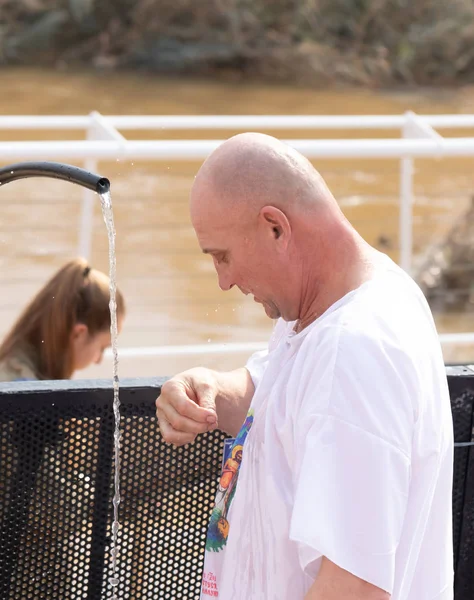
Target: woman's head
{"x":67,"y":324}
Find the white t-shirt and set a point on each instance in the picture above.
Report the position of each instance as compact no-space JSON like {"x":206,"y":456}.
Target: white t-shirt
{"x":347,"y":452}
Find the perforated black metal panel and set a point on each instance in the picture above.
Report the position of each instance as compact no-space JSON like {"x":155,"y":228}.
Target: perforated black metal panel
{"x":462,"y":410}
{"x":461,"y":386}
{"x":56,"y":467}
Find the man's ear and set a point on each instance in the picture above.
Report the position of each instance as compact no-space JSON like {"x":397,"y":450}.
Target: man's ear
{"x":277,"y":224}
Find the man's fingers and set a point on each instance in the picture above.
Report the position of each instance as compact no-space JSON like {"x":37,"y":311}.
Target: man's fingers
{"x":188,"y":408}
{"x":207,"y":399}
{"x":171,"y":436}
{"x":185,"y":410}
{"x":179,"y":422}
{"x":200,"y":408}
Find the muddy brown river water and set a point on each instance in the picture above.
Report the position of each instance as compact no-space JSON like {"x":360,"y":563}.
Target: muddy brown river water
{"x":170,"y":287}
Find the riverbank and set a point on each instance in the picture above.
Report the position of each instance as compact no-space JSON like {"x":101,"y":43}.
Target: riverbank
{"x":382,"y":43}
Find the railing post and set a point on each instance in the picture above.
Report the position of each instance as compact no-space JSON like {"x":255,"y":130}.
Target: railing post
{"x":100,"y":520}
{"x":98,"y":129}
{"x":86,"y":221}
{"x":414,"y":128}
{"x":406,"y":213}
{"x":406,"y":204}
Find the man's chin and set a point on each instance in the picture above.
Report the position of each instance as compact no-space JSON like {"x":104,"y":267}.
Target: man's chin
{"x":271,"y":311}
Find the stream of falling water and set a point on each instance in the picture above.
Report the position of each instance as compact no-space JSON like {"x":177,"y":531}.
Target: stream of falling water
{"x":107,"y":212}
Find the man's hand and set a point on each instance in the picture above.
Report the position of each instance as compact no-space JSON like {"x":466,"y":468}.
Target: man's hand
{"x":201,"y":400}
{"x":187,"y":406}
{"x":334,"y":583}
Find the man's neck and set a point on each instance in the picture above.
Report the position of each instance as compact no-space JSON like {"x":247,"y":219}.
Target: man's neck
{"x":357,"y":270}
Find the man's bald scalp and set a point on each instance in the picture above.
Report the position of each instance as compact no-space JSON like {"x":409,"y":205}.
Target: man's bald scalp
{"x":255,"y":170}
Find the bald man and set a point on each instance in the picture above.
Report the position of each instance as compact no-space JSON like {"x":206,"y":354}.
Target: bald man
{"x":343,"y":486}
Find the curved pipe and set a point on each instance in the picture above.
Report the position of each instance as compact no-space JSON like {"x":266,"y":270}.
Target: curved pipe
{"x":99,"y":184}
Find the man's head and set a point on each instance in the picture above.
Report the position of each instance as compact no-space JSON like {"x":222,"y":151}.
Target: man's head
{"x":267,"y":218}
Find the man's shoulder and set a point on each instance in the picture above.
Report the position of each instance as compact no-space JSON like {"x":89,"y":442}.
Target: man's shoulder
{"x":365,"y":344}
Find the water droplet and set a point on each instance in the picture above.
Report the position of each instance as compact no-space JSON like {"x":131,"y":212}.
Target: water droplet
{"x":114,"y":581}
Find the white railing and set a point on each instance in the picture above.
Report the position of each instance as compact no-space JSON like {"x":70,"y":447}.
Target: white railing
{"x":104,"y":141}
{"x":418,"y":139}
{"x":241,"y":348}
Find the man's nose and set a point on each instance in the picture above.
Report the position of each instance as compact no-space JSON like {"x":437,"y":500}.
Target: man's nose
{"x":225,"y":282}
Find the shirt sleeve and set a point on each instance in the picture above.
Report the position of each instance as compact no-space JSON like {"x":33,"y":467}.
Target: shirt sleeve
{"x":256,"y":366}
{"x":353,"y":466}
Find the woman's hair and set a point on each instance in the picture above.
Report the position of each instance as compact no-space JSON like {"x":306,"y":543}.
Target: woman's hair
{"x":76,"y":294}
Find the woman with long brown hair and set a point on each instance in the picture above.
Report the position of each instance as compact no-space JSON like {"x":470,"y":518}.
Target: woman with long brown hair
{"x":66,"y":327}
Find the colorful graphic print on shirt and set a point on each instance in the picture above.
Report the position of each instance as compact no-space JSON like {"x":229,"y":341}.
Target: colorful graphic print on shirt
{"x":219,"y":526}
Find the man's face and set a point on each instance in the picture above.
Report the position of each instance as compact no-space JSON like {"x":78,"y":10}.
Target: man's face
{"x":243,"y":255}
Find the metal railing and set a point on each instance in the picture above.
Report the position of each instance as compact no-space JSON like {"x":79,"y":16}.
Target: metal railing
{"x":246,"y":348}
{"x":419,"y":139}
{"x":56,"y":474}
